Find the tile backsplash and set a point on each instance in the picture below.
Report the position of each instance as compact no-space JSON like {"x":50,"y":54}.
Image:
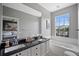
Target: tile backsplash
{"x":6,"y":33}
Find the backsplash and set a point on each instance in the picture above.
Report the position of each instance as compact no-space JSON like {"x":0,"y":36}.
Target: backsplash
{"x":10,"y":36}
{"x":7,"y":33}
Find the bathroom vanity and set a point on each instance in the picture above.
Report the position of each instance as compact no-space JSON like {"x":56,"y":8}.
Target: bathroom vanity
{"x":36,"y":48}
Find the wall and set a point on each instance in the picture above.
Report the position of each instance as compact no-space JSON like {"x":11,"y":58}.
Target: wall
{"x":45,"y":32}
{"x":0,"y":20}
{"x":73,"y":10}
{"x":28,"y":24}
{"x":73,"y":20}
{"x":45,"y":16}
{"x":78,"y":24}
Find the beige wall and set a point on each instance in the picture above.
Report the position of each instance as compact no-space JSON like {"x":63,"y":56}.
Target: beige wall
{"x":45,"y":32}
{"x":0,"y":21}
{"x":45,"y":16}
{"x":28,"y":24}
{"x":78,"y":24}
{"x":73,"y":20}
{"x":73,"y":34}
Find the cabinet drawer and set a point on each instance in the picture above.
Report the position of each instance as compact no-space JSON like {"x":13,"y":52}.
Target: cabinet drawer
{"x":23,"y":53}
{"x":17,"y":54}
{"x":14,"y":55}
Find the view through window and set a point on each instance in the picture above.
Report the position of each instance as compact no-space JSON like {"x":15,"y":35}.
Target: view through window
{"x":62,"y":25}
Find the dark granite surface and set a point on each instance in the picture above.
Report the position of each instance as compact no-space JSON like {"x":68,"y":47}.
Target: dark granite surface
{"x":27,"y":45}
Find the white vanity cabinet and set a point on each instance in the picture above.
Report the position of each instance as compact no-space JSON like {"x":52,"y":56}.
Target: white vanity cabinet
{"x":41,"y":49}
{"x":26,"y":52}
{"x":35,"y":51}
{"x":44,"y":48}
{"x":38,"y":50}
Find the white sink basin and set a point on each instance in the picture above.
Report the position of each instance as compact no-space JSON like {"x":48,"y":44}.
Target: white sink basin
{"x":40,"y":40}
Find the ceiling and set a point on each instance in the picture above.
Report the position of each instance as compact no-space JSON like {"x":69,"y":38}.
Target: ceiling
{"x":23,"y":8}
{"x":51,"y":7}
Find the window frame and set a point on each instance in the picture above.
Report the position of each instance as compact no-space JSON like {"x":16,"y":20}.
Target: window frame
{"x":64,"y":24}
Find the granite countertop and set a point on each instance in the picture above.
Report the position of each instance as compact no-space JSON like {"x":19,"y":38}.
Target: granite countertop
{"x":27,"y":45}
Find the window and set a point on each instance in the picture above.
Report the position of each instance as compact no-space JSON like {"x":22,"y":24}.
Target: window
{"x":62,"y":25}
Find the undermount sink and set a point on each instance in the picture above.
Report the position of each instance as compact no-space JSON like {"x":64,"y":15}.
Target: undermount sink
{"x":40,"y":40}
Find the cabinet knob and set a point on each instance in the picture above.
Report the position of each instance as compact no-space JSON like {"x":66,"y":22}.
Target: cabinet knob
{"x":36,"y":48}
{"x":77,"y":29}
{"x":19,"y":53}
{"x":36,"y":54}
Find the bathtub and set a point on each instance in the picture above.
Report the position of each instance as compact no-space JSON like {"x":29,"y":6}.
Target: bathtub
{"x":66,"y":40}
{"x":66,"y":43}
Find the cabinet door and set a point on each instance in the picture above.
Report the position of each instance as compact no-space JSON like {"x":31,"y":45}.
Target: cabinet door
{"x":29,"y":52}
{"x":47,"y":46}
{"x":35,"y":50}
{"x":42,"y":49}
{"x":25,"y":52}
